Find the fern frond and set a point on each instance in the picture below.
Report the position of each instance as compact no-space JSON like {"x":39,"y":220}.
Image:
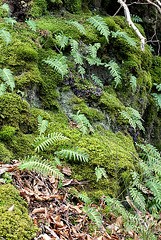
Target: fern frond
{"x":62,"y":40}
{"x":133,"y":82}
{"x":59,"y":64}
{"x":74,"y":154}
{"x":84,"y":198}
{"x":158,"y":86}
{"x":56,"y":161}
{"x":138,"y":198}
{"x":36,"y":164}
{"x":92,"y":58}
{"x":79,"y":26}
{"x":115,"y":71}
{"x":136,"y":18}
{"x":157,"y":99}
{"x":7,"y":76}
{"x":82,"y":122}
{"x":124,"y":35}
{"x":100,"y":25}
{"x":155,"y":187}
{"x":42,"y":125}
{"x":5,"y":35}
{"x":82,"y":71}
{"x":10,"y":20}
{"x":42,"y":142}
{"x":2,"y":89}
{"x":77,"y":57}
{"x":5,"y":7}
{"x":31,"y":24}
{"x":100,"y":172}
{"x":94,"y":215}
{"x":74,"y":45}
{"x":97,"y":81}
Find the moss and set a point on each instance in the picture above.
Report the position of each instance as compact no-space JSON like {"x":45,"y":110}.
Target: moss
{"x":26,"y":52}
{"x":5,"y":154}
{"x":38,"y":8}
{"x":156,"y":69}
{"x":7,"y":132}
{"x":73,"y":5}
{"x":15,"y":224}
{"x":144,"y":79}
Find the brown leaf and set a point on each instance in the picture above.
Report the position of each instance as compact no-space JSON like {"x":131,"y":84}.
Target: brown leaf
{"x":38,"y":210}
{"x":67,"y":171}
{"x":119,"y":222}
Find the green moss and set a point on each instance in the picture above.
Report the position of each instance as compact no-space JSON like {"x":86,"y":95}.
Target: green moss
{"x":5,"y":154}
{"x":7,"y":132}
{"x":15,"y":224}
{"x":73,"y":5}
{"x":156,"y":69}
{"x":38,"y":8}
{"x":144,"y":79}
{"x":26,"y":52}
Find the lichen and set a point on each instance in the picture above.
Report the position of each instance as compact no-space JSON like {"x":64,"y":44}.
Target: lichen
{"x":15,"y":224}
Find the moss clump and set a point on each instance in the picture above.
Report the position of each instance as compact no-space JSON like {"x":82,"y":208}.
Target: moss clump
{"x":15,"y":224}
{"x":73,"y":5}
{"x":5,"y":154}
{"x":156,"y":70}
{"x":7,"y":132}
{"x":38,"y":8}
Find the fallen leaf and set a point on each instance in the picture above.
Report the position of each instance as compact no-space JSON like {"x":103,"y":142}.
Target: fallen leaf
{"x":67,"y":171}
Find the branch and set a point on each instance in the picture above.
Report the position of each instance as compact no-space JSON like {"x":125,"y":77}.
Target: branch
{"x":131,"y":24}
{"x":155,"y":5}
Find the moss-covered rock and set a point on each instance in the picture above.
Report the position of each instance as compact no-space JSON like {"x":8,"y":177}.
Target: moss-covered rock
{"x":73,"y":5}
{"x":7,"y":132}
{"x":5,"y":154}
{"x":15,"y":224}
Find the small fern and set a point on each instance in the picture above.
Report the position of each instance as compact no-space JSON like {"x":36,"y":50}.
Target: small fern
{"x":81,"y":70}
{"x":124,"y":35}
{"x":5,"y":35}
{"x":133,"y":82}
{"x":157,"y":99}
{"x":136,"y":18}
{"x":2,"y":89}
{"x":42,"y":142}
{"x":10,"y":20}
{"x":138,"y":198}
{"x":42,"y":125}
{"x":158,"y":86}
{"x":82,"y":122}
{"x":84,"y":198}
{"x":97,"y":81}
{"x":5,"y":7}
{"x":35,"y":163}
{"x":100,"y":172}
{"x":79,"y":26}
{"x":94,"y":215}
{"x":100,"y":25}
{"x":59,"y":64}
{"x":74,"y":154}
{"x":62,"y":40}
{"x":115,"y":71}
{"x":31,"y":24}
{"x":92,"y":58}
{"x":7,"y":77}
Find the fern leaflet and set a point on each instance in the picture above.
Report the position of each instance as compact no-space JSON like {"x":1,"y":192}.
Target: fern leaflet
{"x":157,"y":99}
{"x":7,"y":76}
{"x":62,"y":40}
{"x":115,"y":71}
{"x":136,"y":18}
{"x":124,"y":35}
{"x":158,"y":86}
{"x":84,"y":198}
{"x":73,"y":154}
{"x":100,"y":25}
{"x":36,"y":163}
{"x":10,"y":20}
{"x":42,"y":142}
{"x":92,"y":58}
{"x":59,"y":64}
{"x":5,"y":35}
{"x":97,"y":81}
{"x":5,"y":7}
{"x":76,"y":24}
{"x":133,"y":82}
{"x":138,"y":198}
{"x":42,"y":124}
{"x":81,"y":70}
{"x":31,"y":24}
{"x":94,"y":215}
{"x":2,"y":89}
{"x":100,"y":172}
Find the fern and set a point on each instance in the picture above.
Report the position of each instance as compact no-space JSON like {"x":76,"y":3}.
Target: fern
{"x":157,"y":99}
{"x":59,"y":64}
{"x":31,"y":24}
{"x":97,"y":81}
{"x":77,"y":57}
{"x":138,"y":198}
{"x":94,"y":215}
{"x":5,"y":35}
{"x":155,"y":187}
{"x":124,"y":35}
{"x":62,"y":40}
{"x":74,"y":45}
{"x":100,"y":25}
{"x":136,"y":18}
{"x":2,"y":89}
{"x":115,"y":71}
{"x":92,"y":58}
{"x":7,"y":76}
{"x":158,"y":86}
{"x":84,"y":198}
{"x":133,"y":82}
{"x":42,"y":125}
{"x":10,"y":20}
{"x":5,"y":7}
{"x":80,"y":28}
{"x":100,"y":172}
{"x":36,"y":163}
{"x":42,"y":142}
{"x":73,"y":154}
{"x":82,"y":122}
{"x":81,"y":70}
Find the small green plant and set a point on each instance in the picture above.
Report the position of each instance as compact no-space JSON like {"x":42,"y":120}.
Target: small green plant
{"x":115,"y":71}
{"x":136,"y":18}
{"x":31,"y":24}
{"x":7,"y":77}
{"x":100,"y":172}
{"x":157,"y":96}
{"x":10,"y":20}
{"x":83,"y":123}
{"x":77,"y":25}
